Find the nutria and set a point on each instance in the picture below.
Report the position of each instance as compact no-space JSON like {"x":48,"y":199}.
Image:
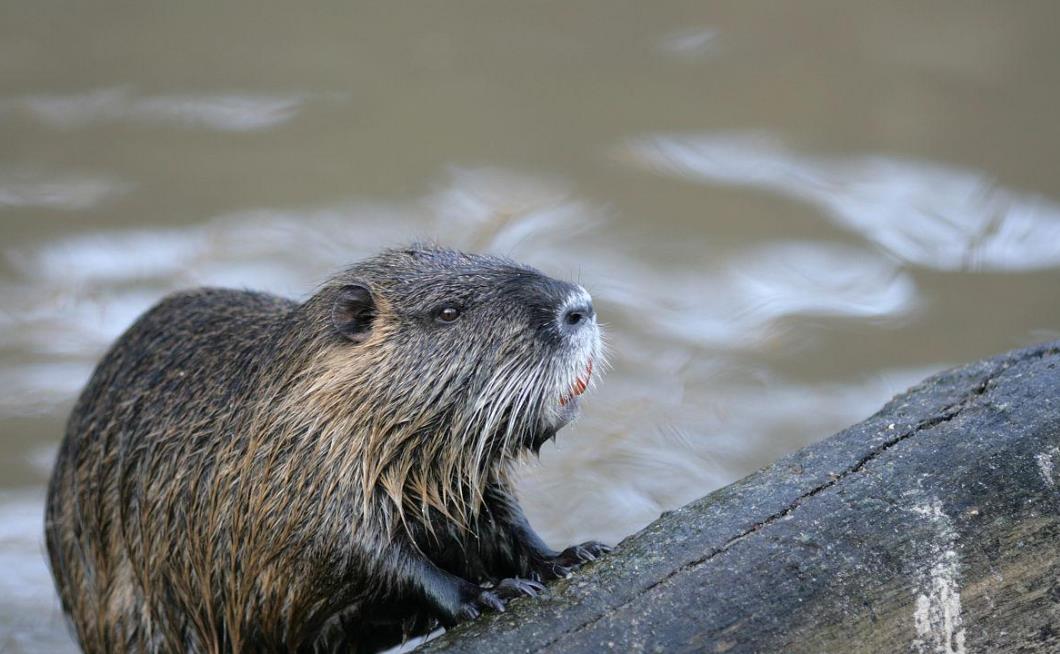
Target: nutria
{"x":247,"y":473}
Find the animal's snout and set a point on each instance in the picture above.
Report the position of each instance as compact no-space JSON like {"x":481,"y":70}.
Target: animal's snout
{"x":576,"y":312}
{"x":577,"y":315}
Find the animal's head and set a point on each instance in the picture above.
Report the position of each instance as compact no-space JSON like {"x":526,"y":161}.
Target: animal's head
{"x":458,"y":361}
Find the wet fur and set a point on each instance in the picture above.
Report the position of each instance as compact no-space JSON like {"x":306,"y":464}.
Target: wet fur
{"x":238,"y":476}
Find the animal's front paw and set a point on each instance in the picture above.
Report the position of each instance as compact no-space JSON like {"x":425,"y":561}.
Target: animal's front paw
{"x":565,"y":562}
{"x":480,"y":600}
{"x":509,"y":589}
{"x":575,"y":555}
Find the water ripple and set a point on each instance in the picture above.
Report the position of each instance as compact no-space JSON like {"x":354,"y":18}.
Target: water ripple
{"x":231,"y":112}
{"x":689,"y":43}
{"x":496,"y":210}
{"x":59,"y":192}
{"x":738,"y":303}
{"x":925,"y":213}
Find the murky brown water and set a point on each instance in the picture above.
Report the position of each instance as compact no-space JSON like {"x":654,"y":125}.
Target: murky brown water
{"x":786,"y":214}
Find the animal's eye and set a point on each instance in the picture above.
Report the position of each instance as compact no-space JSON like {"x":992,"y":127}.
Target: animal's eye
{"x":447,"y":313}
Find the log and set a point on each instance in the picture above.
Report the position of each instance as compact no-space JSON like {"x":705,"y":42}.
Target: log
{"x":933,"y":526}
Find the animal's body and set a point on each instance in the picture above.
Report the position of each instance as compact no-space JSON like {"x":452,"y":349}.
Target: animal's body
{"x":248,"y":473}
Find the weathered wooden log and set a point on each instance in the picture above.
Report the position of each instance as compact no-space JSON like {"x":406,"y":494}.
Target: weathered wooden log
{"x":933,"y":526}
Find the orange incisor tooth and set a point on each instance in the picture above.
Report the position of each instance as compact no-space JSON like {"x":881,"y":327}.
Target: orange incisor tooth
{"x":580,"y":385}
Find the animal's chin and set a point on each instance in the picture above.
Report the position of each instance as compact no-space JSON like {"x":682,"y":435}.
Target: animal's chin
{"x":560,"y":419}
{"x":566,"y":409}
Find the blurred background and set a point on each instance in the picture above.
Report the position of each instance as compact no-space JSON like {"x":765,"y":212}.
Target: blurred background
{"x":786,"y":213}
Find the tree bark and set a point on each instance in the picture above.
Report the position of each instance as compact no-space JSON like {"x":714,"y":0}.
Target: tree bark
{"x":933,"y":526}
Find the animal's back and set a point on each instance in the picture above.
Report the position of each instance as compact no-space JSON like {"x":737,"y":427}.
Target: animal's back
{"x":159,"y":401}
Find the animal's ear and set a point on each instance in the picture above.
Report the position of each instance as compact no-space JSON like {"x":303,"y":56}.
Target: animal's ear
{"x":353,"y":312}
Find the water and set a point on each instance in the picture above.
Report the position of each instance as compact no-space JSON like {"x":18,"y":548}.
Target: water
{"x":786,"y":214}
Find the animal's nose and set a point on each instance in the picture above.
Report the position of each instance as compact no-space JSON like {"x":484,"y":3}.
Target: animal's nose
{"x":577,"y":315}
